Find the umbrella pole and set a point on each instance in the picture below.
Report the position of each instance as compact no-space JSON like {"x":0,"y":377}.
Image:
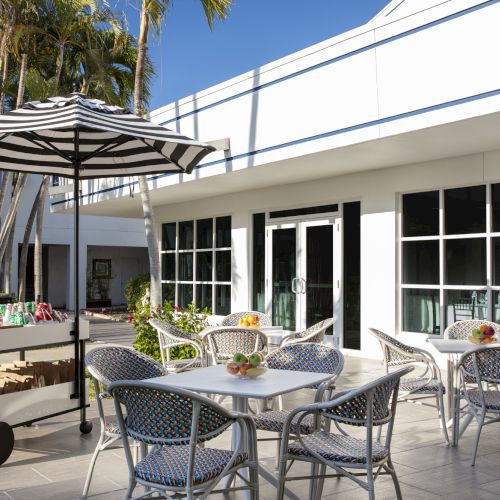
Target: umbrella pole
{"x":85,"y":426}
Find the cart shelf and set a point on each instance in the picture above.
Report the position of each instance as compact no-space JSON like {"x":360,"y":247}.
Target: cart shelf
{"x":28,"y":406}
{"x":41,"y":335}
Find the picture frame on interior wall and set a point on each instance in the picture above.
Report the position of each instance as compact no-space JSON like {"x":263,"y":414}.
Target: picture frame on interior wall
{"x":101,"y":268}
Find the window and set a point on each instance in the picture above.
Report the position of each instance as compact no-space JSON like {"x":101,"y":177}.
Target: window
{"x":196,"y":263}
{"x":450,"y":257}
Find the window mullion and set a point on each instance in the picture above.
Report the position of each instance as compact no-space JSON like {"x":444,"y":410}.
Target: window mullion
{"x":442,"y":308}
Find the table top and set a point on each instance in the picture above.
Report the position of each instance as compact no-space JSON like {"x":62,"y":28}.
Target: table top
{"x":454,"y":346}
{"x":216,"y":380}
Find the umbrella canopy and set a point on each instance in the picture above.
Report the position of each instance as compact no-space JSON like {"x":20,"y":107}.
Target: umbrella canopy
{"x":59,"y":134}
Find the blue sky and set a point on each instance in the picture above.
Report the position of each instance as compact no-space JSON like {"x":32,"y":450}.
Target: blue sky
{"x":188,"y":57}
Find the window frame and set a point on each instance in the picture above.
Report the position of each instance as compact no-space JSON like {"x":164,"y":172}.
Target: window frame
{"x":489,"y":235}
{"x":195,"y":251}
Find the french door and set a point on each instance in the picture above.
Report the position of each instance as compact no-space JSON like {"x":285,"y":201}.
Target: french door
{"x":302,"y":272}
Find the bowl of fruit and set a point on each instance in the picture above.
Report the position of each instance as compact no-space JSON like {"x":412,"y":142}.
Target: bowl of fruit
{"x":485,"y":334}
{"x":249,"y":321}
{"x":246,"y":367}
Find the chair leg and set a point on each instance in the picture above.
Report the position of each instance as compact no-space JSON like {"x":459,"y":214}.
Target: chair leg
{"x":313,"y":482}
{"x":442,"y":416}
{"x":370,"y":483}
{"x":130,"y":489}
{"x":395,"y":480}
{"x":478,"y":435}
{"x":320,"y":482}
{"x":379,"y":433}
{"x":90,"y":472}
{"x":281,"y":479}
{"x":253,"y":476}
{"x":278,"y":449}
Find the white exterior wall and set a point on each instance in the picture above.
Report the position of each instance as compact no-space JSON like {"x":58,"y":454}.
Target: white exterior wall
{"x":378,"y":191}
{"x":58,"y":230}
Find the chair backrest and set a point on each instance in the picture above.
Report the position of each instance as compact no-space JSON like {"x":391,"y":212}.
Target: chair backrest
{"x":226,"y":341}
{"x":162,"y":415}
{"x":483,"y":363}
{"x":460,"y":330}
{"x":234,"y":318}
{"x":316,"y":332}
{"x":372,"y":404}
{"x":308,"y":357}
{"x":168,"y":333}
{"x":395,"y":353}
{"x":109,"y":364}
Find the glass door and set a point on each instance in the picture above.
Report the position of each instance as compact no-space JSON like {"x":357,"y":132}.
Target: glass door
{"x":317,"y":272}
{"x":300,"y":273}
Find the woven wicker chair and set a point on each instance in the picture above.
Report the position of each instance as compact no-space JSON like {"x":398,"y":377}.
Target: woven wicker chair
{"x":107,"y":365}
{"x":170,"y":336}
{"x":315,"y":333}
{"x":316,"y":358}
{"x":425,"y":384}
{"x":483,"y":403}
{"x":234,"y":318}
{"x":179,"y":423}
{"x":460,"y":330}
{"x":373,"y":404}
{"x":222,"y":343}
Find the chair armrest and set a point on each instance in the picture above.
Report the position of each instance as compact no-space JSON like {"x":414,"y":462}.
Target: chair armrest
{"x":286,"y":339}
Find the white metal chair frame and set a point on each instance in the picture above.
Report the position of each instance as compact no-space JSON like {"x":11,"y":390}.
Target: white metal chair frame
{"x":170,"y":336}
{"x":483,"y":403}
{"x":102,"y":378}
{"x":234,"y":318}
{"x":423,"y":385}
{"x":225,"y":341}
{"x":315,"y":333}
{"x":196,"y":440}
{"x":360,"y":407}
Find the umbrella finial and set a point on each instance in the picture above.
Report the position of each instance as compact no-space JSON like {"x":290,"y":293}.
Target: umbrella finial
{"x":76,"y":87}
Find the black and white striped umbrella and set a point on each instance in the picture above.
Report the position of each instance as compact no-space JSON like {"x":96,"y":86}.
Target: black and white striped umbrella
{"x":79,"y":137}
{"x":59,"y":134}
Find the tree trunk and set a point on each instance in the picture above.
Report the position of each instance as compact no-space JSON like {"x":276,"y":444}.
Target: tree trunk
{"x":22,"y":79}
{"x":7,"y":270}
{"x":11,"y":214}
{"x":150,"y":227}
{"x":38,"y":265}
{"x":6,"y":179}
{"x":59,"y":65}
{"x":5,"y":72}
{"x":141,"y":59}
{"x":152,"y":241}
{"x":23,"y":260}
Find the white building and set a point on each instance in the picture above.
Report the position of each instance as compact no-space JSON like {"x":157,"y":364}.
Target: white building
{"x":116,"y":242}
{"x":360,"y":177}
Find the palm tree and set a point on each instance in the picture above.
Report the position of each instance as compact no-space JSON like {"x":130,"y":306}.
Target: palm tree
{"x":153,"y":13}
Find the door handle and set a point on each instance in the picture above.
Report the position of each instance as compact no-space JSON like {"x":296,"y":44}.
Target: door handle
{"x":303,"y":286}
{"x":294,"y":285}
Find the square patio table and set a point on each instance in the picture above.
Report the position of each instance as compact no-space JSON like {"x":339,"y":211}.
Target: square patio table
{"x":216,"y":380}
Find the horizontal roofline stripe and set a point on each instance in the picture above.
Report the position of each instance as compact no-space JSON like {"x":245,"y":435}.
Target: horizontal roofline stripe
{"x":408,"y":114}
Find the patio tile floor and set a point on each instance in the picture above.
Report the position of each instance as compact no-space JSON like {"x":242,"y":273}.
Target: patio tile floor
{"x":50,"y":459}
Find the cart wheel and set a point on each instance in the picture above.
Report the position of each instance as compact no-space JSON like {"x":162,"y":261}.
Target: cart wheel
{"x":86,"y":427}
{"x":6,"y":441}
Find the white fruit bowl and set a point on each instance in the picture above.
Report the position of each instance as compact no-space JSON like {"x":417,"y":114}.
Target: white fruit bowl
{"x":245,"y":370}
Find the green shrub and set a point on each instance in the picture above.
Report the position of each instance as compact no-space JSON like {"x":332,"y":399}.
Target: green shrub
{"x":190,"y":320}
{"x":135,"y":290}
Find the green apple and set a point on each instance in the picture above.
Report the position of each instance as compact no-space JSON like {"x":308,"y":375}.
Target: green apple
{"x":239,"y":358}
{"x":477,"y":333}
{"x":254,"y":359}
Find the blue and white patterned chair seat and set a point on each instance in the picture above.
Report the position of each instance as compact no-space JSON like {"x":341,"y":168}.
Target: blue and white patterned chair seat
{"x":421,"y":386}
{"x":169,"y":465}
{"x":337,"y":448}
{"x":274,"y":420}
{"x":491,"y":399}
